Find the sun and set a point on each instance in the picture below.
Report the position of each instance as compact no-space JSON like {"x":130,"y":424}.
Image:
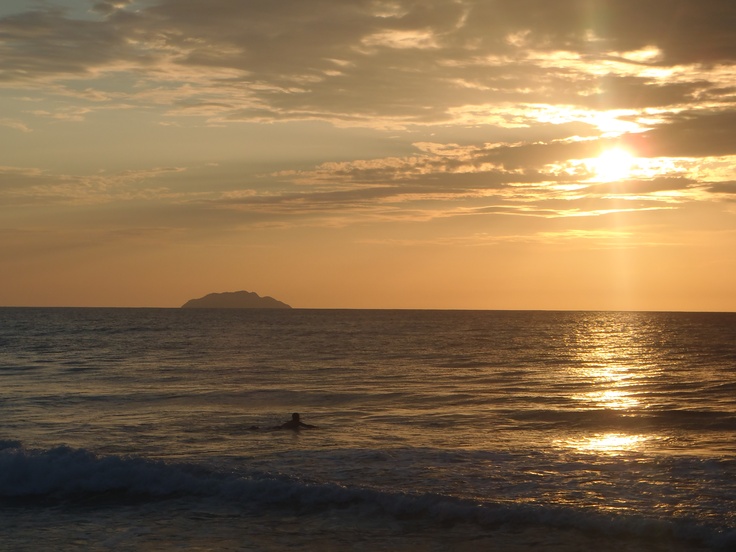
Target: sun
{"x":613,"y":164}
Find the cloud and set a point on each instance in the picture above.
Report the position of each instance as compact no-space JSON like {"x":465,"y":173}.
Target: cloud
{"x":108,"y":7}
{"x":21,"y":186}
{"x":383,"y":64}
{"x":12,"y":178}
{"x":15,"y":124}
{"x":690,"y":134}
{"x":44,"y":43}
{"x":684,"y":31}
{"x":600,"y":74}
{"x":726,"y":188}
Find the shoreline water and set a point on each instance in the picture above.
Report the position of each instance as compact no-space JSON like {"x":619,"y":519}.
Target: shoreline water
{"x":73,"y":484}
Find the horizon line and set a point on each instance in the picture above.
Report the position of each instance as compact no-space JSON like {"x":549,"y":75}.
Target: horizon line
{"x":434,"y":309}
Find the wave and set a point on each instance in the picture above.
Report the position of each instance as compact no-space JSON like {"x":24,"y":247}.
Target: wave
{"x":78,"y":475}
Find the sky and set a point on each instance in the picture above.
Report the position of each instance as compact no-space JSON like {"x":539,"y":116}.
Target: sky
{"x":449,"y":154}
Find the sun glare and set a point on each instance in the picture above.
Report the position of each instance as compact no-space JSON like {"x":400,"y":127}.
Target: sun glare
{"x":613,"y":164}
{"x":607,"y":443}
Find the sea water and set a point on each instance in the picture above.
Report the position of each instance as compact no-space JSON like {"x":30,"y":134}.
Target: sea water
{"x":153,"y":429}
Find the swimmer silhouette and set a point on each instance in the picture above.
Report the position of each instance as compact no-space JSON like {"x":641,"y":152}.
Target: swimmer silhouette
{"x":295,"y":423}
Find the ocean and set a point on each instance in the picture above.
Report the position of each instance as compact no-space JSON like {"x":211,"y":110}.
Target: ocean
{"x":153,"y":429}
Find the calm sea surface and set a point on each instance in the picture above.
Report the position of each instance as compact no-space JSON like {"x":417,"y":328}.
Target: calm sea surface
{"x":152,"y":429}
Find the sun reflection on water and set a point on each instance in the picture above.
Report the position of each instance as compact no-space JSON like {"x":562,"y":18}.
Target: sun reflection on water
{"x":612,"y":399}
{"x":607,"y":443}
{"x":611,"y":369}
{"x":607,"y":379}
{"x":612,"y":362}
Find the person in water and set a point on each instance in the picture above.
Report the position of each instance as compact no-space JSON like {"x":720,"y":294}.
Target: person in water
{"x":295,"y":423}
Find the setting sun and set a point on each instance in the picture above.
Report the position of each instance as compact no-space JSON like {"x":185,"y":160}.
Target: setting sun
{"x":613,"y":164}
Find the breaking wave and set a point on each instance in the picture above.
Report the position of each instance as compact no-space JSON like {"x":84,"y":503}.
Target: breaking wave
{"x":67,"y":474}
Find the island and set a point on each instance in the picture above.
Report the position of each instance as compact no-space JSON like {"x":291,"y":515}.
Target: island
{"x":235,"y":300}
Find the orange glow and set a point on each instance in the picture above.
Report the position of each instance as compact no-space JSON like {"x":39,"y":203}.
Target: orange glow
{"x":421,"y":160}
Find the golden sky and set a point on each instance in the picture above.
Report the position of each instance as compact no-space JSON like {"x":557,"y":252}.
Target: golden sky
{"x":471,"y":154}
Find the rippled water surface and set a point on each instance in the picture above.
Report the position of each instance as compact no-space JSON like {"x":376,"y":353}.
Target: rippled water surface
{"x":578,"y":421}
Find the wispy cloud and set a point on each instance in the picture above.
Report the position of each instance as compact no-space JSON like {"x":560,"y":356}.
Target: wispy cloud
{"x":25,"y":186}
{"x":15,"y":124}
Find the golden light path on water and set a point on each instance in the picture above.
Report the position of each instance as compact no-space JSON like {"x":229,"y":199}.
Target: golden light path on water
{"x":610,"y":354}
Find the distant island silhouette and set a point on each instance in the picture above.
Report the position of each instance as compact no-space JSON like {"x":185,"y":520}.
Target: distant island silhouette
{"x":235,"y":300}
